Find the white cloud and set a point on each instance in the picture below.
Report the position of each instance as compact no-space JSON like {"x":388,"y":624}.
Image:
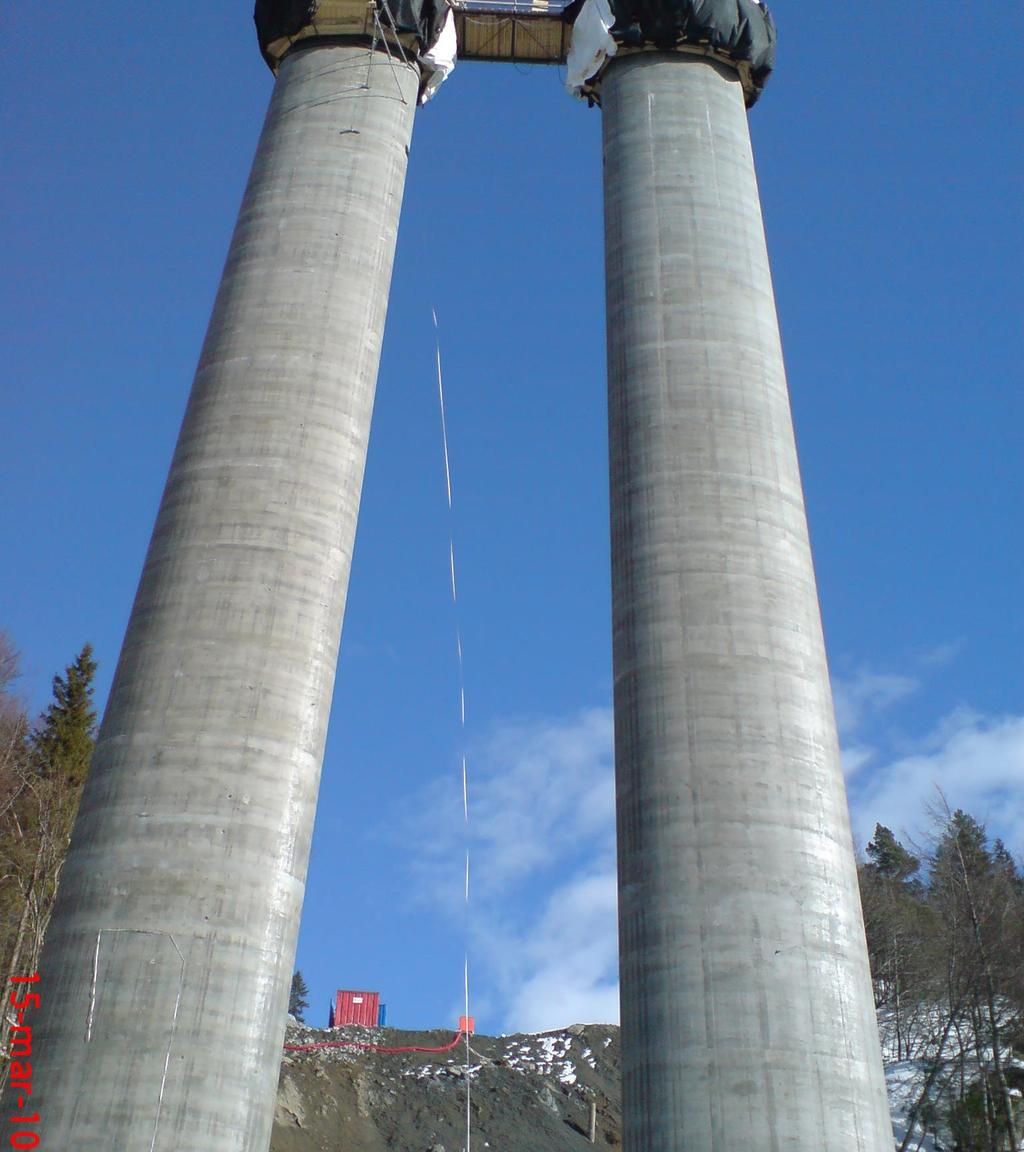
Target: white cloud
{"x":542,"y":837}
{"x":570,"y":959}
{"x":867,"y":693}
{"x":542,"y":843}
{"x":856,"y":757}
{"x":941,"y":655}
{"x":539,"y":793}
{"x":976,"y":761}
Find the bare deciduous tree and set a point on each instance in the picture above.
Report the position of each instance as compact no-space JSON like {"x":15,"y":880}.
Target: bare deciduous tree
{"x":42,"y":771}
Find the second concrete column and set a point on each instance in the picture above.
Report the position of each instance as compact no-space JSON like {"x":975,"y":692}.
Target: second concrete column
{"x":747,"y":1012}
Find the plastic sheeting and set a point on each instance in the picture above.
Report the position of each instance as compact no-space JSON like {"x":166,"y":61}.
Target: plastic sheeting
{"x":277,"y":19}
{"x":439,"y":60}
{"x":741,"y":29}
{"x":423,"y":18}
{"x":431,"y":22}
{"x":591,"y":45}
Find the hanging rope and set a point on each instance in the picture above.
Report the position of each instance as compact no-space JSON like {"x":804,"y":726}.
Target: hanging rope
{"x":464,"y":1030}
{"x":462,"y":711}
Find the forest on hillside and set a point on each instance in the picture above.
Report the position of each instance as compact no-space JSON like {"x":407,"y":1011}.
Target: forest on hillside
{"x":944,"y":921}
{"x":945,"y":931}
{"x":43,"y":765}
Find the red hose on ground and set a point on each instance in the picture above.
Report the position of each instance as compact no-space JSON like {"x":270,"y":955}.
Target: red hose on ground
{"x":370,"y":1047}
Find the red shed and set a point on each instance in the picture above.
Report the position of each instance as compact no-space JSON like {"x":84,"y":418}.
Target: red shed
{"x":355,"y":1008}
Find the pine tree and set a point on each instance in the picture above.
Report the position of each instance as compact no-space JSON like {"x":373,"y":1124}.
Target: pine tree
{"x":961,"y":854}
{"x":889,"y":858}
{"x":945,"y":926}
{"x":298,"y":999}
{"x":972,"y":890}
{"x":897,"y":929}
{"x":1006,"y":868}
{"x":64,"y":740}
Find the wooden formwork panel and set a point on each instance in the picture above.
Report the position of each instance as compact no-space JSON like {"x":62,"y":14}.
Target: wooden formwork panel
{"x":539,"y":39}
{"x":538,"y":35}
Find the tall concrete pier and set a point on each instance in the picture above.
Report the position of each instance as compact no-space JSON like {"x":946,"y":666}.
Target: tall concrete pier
{"x":169,"y":956}
{"x":747,"y":1013}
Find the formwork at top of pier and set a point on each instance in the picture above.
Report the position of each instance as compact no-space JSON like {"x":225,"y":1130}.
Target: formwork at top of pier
{"x":740,"y":33}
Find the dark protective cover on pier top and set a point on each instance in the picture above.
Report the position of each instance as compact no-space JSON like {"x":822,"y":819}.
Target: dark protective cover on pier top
{"x":277,"y":19}
{"x":741,"y":29}
{"x":423,"y":18}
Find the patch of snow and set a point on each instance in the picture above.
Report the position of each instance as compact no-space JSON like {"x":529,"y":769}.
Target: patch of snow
{"x":545,"y":1055}
{"x":904,"y":1080}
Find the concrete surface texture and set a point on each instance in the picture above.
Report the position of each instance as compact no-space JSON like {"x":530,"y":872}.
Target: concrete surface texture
{"x":747,"y":1013}
{"x":169,"y":956}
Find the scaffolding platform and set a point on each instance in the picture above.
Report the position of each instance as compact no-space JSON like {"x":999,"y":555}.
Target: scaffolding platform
{"x":514,"y":31}
{"x":519,"y":32}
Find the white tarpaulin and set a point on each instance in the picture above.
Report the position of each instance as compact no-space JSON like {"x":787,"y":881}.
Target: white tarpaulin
{"x":439,"y":60}
{"x":591,"y":44}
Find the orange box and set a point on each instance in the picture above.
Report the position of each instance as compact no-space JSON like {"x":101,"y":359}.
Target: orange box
{"x":466,"y":1025}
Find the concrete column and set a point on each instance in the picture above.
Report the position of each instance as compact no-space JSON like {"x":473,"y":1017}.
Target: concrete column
{"x":747,"y":1014}
{"x":167,"y":965}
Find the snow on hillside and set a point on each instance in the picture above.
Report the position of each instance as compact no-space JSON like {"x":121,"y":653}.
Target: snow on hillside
{"x":531,"y":1092}
{"x":904,"y":1081}
{"x":912,"y":1047}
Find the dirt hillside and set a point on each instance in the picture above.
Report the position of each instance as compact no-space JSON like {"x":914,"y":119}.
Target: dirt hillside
{"x":528,"y":1093}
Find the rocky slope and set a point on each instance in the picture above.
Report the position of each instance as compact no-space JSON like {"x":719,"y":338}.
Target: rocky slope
{"x":528,"y":1093}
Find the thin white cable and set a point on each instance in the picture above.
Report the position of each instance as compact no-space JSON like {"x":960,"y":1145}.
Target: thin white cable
{"x":444,"y":423}
{"x":465,"y":791}
{"x":462,"y":716}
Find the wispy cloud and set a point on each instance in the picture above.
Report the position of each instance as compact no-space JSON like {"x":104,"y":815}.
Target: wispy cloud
{"x":856,"y":758}
{"x":542,"y":794}
{"x":569,"y":971}
{"x":976,"y":761}
{"x":542,"y":841}
{"x":867,"y":693}
{"x":542,"y":835}
{"x":940,"y":655}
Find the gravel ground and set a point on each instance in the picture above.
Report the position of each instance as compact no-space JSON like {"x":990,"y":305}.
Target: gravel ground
{"x":528,"y":1093}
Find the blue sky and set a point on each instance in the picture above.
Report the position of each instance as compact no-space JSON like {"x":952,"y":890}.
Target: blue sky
{"x":889,"y":153}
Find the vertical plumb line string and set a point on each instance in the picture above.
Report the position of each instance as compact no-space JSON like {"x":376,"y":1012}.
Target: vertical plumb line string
{"x":462,"y":714}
